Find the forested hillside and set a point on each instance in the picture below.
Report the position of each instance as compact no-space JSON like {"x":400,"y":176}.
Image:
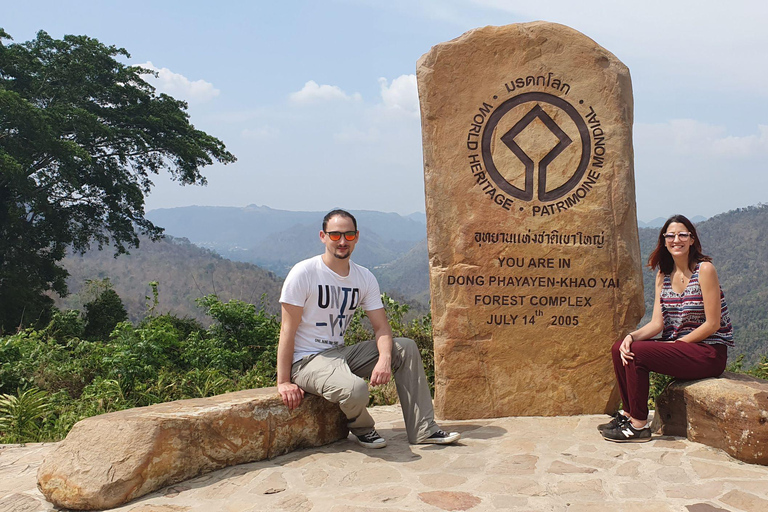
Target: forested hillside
{"x":407,"y":278}
{"x":183,"y":271}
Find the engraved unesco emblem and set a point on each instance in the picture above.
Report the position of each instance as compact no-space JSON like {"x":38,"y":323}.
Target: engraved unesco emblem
{"x":536,"y":146}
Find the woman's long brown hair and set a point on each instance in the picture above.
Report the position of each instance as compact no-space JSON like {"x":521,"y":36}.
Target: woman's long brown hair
{"x":661,"y":258}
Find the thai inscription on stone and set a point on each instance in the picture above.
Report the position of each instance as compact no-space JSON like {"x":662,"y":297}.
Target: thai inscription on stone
{"x":532,"y":231}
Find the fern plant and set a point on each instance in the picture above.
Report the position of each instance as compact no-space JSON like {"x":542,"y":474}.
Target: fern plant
{"x":21,"y":416}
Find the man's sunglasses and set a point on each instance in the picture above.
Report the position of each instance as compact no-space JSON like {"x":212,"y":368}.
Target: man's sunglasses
{"x":336,"y":235}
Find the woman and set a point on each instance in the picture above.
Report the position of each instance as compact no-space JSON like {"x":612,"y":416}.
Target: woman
{"x":689,"y":311}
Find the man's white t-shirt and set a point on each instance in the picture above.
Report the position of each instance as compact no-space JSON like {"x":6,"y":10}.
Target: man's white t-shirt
{"x":329,"y":301}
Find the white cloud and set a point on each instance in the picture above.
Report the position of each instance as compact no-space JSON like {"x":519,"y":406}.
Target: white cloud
{"x":691,"y":137}
{"x":179,"y":86}
{"x":401,"y":94}
{"x":314,"y":93}
{"x":743,"y":147}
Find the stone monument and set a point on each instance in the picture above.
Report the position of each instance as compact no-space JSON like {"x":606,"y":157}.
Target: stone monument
{"x":534,"y":255}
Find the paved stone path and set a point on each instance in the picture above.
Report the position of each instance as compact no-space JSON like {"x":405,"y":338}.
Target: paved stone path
{"x":526,"y":464}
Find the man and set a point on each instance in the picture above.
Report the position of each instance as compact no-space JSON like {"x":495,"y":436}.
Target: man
{"x":319,"y":297}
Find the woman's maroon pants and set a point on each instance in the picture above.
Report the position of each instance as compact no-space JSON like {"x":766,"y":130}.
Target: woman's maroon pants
{"x":681,"y":360}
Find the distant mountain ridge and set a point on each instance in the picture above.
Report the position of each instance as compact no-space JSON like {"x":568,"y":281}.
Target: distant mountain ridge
{"x":407,"y":277}
{"x":277,"y":239}
{"x":659,"y":221}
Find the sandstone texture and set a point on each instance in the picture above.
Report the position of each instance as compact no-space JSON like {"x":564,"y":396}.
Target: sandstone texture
{"x":535,"y":265}
{"x":730,"y":413}
{"x":111,"y":459}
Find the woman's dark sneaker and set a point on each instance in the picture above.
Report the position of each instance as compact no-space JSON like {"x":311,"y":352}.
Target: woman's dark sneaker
{"x":628,"y":434}
{"x":442,"y":437}
{"x":371,"y":440}
{"x":618,"y":420}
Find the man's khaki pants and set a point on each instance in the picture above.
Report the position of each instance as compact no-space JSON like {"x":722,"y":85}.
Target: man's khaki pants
{"x":337,"y":375}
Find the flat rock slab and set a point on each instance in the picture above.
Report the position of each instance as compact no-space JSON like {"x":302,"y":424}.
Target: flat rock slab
{"x":535,"y":266}
{"x":729,"y":412}
{"x":111,"y":459}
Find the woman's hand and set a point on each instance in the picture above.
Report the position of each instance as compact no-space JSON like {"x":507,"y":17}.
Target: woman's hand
{"x":625,"y":350}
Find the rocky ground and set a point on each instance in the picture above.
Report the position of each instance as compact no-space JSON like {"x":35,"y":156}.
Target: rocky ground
{"x":526,"y":464}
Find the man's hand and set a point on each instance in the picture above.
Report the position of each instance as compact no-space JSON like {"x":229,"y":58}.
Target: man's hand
{"x":291,"y":393}
{"x":381,"y":373}
{"x":290,"y":320}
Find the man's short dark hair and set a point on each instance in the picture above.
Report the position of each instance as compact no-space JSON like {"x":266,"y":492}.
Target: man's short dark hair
{"x":340,"y":213}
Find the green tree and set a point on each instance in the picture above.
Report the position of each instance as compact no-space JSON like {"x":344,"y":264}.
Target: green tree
{"x":102,"y":315}
{"x":81,"y":135}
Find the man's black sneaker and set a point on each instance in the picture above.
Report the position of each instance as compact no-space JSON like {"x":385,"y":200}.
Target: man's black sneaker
{"x":618,"y":420}
{"x":442,"y":437}
{"x":626,"y":433}
{"x":371,"y":440}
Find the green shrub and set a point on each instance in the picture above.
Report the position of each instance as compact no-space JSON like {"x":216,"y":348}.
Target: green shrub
{"x":206,"y":382}
{"x":138,"y":353}
{"x":69,"y":367}
{"x":18,"y":360}
{"x":659,"y":383}
{"x":102,"y":314}
{"x":65,"y":325}
{"x":241,"y":329}
{"x":760,"y":370}
{"x":104,"y":395}
{"x":202,"y":351}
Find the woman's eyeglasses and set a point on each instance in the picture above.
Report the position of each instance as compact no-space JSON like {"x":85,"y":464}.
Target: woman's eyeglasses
{"x":348,"y":235}
{"x":670,"y":237}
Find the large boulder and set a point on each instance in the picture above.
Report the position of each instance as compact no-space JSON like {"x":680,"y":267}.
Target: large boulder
{"x":535,"y":267}
{"x":730,"y":413}
{"x":111,"y":459}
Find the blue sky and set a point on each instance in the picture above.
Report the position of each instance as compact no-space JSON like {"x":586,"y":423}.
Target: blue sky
{"x":317,"y":99}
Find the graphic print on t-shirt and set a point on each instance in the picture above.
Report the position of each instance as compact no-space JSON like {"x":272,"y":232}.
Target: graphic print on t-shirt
{"x":341,"y":302}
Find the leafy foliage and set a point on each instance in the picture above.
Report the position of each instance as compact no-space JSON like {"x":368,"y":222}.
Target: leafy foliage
{"x":81,"y":135}
{"x":244,"y":335}
{"x":52,"y":377}
{"x":103,"y":313}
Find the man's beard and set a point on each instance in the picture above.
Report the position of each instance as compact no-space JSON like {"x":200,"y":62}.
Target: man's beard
{"x":342,"y":256}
